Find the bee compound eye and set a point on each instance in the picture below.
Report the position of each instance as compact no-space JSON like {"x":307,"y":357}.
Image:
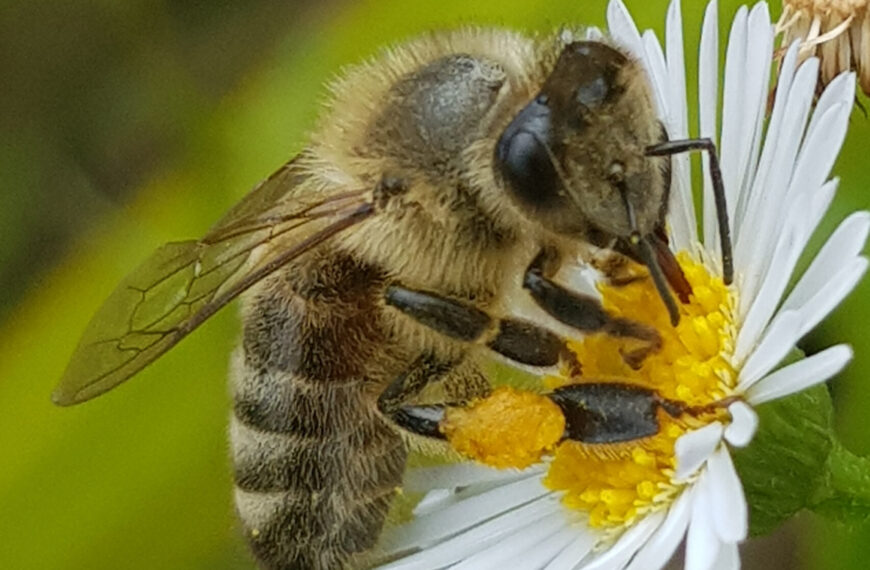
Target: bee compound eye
{"x":523,"y":156}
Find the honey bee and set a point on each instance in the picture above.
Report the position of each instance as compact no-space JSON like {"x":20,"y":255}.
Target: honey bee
{"x":445,"y":176}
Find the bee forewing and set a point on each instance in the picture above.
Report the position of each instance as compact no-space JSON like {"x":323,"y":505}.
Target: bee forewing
{"x":183,"y":284}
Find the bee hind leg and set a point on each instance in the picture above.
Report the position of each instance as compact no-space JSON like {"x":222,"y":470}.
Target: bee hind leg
{"x":594,"y":413}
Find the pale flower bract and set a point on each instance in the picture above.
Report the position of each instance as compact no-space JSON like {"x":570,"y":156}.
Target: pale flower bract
{"x":574,"y":510}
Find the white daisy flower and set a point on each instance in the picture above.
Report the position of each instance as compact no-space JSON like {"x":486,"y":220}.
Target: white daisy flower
{"x":629,"y":505}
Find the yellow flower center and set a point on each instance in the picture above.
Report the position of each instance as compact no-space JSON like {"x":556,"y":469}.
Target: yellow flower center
{"x":614,"y":483}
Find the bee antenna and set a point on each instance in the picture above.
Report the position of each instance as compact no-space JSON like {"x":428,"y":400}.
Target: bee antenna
{"x":669,"y":148}
{"x":648,"y":256}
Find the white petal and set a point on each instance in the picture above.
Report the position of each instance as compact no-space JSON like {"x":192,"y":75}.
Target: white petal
{"x":779,"y":339}
{"x":506,"y":551}
{"x":702,"y":544}
{"x":682,"y":207}
{"x":728,"y":559}
{"x":744,"y":423}
{"x":678,"y":119}
{"x":730,"y":514}
{"x":594,"y":34}
{"x":547,"y":551}
{"x":436,"y":554}
{"x":761,"y":184}
{"x":578,"y":550}
{"x":658,"y":70}
{"x":768,"y":296}
{"x":734,"y":103}
{"x":460,"y":475}
{"x":431,"y":528}
{"x":695,"y":447}
{"x":840,"y":90}
{"x":820,"y":149}
{"x":845,"y":243}
{"x":754,"y":247}
{"x":661,"y":546}
{"x":460,"y":482}
{"x":708,"y":104}
{"x":803,"y":215}
{"x":619,"y":554}
{"x":759,"y":52}
{"x":826,"y":299}
{"x":434,"y":501}
{"x":800,"y":375}
{"x":622,"y":28}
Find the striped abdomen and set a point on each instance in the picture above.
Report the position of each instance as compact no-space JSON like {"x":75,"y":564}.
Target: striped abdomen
{"x":316,"y":466}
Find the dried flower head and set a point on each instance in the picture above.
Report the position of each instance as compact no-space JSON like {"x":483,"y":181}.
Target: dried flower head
{"x":837,"y":31}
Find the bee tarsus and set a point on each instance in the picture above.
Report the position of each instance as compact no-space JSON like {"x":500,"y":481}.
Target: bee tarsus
{"x":455,"y":319}
{"x":425,"y":369}
{"x":608,"y":412}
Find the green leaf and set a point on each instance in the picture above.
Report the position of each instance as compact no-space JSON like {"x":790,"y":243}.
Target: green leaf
{"x":785,"y":464}
{"x":796,"y":462}
{"x":844,"y":492}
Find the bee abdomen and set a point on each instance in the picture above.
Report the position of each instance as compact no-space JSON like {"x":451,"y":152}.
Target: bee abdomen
{"x":314,"y":485}
{"x":316,"y":465}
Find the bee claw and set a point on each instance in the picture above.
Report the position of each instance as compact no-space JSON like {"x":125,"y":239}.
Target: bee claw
{"x":634,"y":358}
{"x":421,"y":420}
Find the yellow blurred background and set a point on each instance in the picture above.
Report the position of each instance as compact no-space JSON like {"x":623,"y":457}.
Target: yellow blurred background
{"x":124,"y":125}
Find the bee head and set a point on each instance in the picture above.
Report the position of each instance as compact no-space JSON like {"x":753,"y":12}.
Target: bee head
{"x":574,"y":157}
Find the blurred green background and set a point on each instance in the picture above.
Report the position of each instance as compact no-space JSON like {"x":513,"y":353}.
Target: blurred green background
{"x":124,"y":125}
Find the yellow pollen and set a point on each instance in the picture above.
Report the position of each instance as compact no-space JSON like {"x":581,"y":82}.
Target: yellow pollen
{"x":509,"y":428}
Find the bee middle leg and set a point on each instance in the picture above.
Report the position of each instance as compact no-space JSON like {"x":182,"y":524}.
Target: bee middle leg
{"x":515,"y":339}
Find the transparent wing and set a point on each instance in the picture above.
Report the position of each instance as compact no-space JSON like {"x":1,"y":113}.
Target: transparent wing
{"x":182,"y":284}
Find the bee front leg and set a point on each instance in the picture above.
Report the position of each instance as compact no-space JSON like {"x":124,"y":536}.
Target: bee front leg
{"x":617,"y":268}
{"x":584,"y":312}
